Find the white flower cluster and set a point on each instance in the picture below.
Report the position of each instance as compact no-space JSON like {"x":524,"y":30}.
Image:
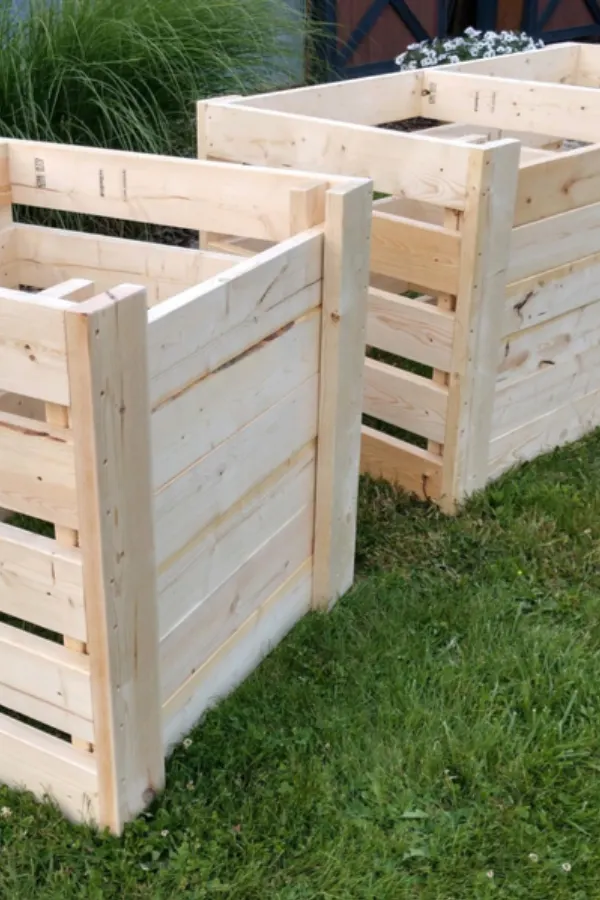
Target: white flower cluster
{"x":473,"y":44}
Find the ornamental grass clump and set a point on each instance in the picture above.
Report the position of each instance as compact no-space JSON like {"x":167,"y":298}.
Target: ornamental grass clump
{"x":473,"y":44}
{"x":124,"y":74}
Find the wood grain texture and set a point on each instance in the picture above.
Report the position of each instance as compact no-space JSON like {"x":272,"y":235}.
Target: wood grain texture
{"x":410,"y":329}
{"x":32,"y":346}
{"x":213,"y":621}
{"x":239,"y":655}
{"x":44,"y":680}
{"x":213,"y":409}
{"x":110,"y":412}
{"x":406,"y":400}
{"x":219,"y":480}
{"x":37,"y":476}
{"x":50,"y":255}
{"x":199,"y":330}
{"x":551,"y":294}
{"x":552,"y":242}
{"x":566,"y":111}
{"x":162,"y":190}
{"x":423,"y":254}
{"x":45,"y":765}
{"x":233,"y":537}
{"x":41,"y":582}
{"x":345,"y":281}
{"x":411,"y":468}
{"x":401,"y":164}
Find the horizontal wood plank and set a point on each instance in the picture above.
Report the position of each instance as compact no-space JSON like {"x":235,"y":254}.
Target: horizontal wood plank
{"x":187,"y":647}
{"x":557,"y":241}
{"x":552,"y":293}
{"x":553,"y":429}
{"x":193,"y":576}
{"x":519,"y":402}
{"x":41,"y":582}
{"x":202,"y":328}
{"x":33,"y":357}
{"x":404,"y":164}
{"x":239,"y":655}
{"x":45,"y":679}
{"x":557,"y":63}
{"x":550,"y":343}
{"x":37,"y":476}
{"x":47,"y":766}
{"x":51,"y":255}
{"x":558,"y":109}
{"x":410,"y":209}
{"x":415,"y":470}
{"x":162,"y":190}
{"x":193,"y":423}
{"x":427,"y":255}
{"x":408,"y":401}
{"x":410,"y":328}
{"x":558,"y":185}
{"x":239,"y":465}
{"x":365,"y":101}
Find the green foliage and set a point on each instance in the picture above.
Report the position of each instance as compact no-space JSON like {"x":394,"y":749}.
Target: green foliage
{"x":434,"y":737}
{"x":125,"y":73}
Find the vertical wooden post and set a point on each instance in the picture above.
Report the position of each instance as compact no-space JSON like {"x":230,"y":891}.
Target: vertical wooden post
{"x":205,"y":237}
{"x":348,"y":213}
{"x":110,"y":416}
{"x":486,"y":230}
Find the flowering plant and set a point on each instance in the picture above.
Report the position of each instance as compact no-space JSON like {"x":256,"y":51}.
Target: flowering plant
{"x":473,"y":44}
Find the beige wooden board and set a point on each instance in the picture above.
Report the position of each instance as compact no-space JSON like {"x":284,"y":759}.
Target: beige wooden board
{"x":51,"y":255}
{"x":110,"y":415}
{"x":410,"y":209}
{"x":364,"y":101}
{"x":37,"y":476}
{"x":219,"y":616}
{"x":41,"y":582}
{"x":485,"y":230}
{"x":9,"y":275}
{"x":550,"y":343}
{"x":557,"y":109}
{"x":553,"y":429}
{"x":553,"y":242}
{"x":410,"y":329}
{"x":556,"y":63}
{"x":408,"y":165}
{"x":345,"y":287}
{"x":552,"y":386}
{"x":527,"y":138}
{"x":588,"y":66}
{"x":47,"y":766}
{"x":417,"y":471}
{"x":239,"y":655}
{"x":193,"y":423}
{"x":200,"y":329}
{"x":559,"y":185}
{"x":158,"y":189}
{"x":18,"y":405}
{"x":232,"y":538}
{"x":406,"y":400}
{"x":551,"y":294}
{"x":32,"y":346}
{"x":423,"y":254}
{"x":45,"y":671}
{"x":207,"y":490}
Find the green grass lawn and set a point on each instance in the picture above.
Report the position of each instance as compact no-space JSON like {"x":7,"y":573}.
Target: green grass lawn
{"x":436,"y":737}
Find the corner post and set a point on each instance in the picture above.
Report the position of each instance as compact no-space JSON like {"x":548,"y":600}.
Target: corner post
{"x":348,"y":212}
{"x":110,"y":416}
{"x":486,"y":228}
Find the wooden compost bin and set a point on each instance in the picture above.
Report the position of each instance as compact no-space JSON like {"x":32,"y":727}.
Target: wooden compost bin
{"x":193,"y":438}
{"x":485,"y":265}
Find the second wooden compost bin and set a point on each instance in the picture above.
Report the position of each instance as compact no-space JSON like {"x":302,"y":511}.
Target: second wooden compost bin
{"x":484,"y":305}
{"x":188,"y":425}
